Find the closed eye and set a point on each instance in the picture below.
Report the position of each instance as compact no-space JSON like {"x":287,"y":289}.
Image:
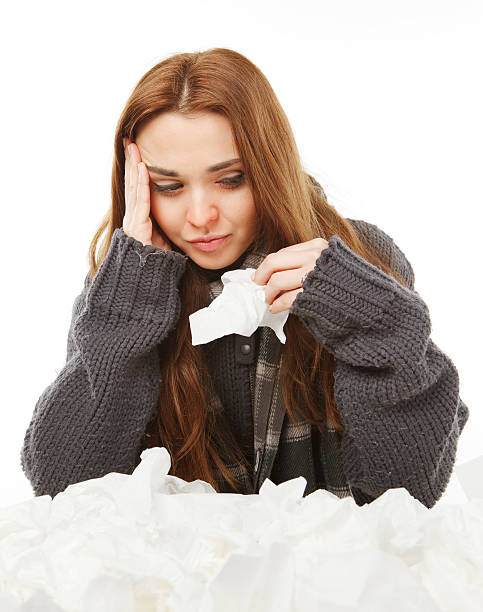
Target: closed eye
{"x":228,"y":183}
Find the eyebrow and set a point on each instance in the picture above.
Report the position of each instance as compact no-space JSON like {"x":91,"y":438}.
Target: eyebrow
{"x":219,"y":166}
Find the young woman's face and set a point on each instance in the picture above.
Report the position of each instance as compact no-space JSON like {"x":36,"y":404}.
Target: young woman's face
{"x":198,"y":202}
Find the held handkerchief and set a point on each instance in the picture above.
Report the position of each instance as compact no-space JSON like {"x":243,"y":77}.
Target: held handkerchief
{"x":240,"y":309}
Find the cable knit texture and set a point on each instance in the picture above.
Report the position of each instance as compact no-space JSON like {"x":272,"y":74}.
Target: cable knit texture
{"x":90,"y":420}
{"x":397,"y":392}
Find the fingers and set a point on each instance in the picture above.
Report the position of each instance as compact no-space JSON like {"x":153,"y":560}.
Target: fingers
{"x":285,"y":301}
{"x":130,"y":182}
{"x":131,"y":179}
{"x":281,"y":260}
{"x":137,"y":218}
{"x":283,"y":282}
{"x":285,"y":270}
{"x":143,"y":206}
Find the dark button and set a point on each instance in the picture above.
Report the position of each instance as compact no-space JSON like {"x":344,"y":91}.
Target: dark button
{"x":245,"y":349}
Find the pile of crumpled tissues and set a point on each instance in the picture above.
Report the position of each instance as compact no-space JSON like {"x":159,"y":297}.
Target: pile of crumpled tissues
{"x":152,"y":542}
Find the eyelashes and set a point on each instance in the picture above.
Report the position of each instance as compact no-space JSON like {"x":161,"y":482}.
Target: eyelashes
{"x":228,"y":183}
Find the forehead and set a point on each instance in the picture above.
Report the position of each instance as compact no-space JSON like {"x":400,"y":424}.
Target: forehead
{"x":175,"y":127}
{"x":183,"y":143}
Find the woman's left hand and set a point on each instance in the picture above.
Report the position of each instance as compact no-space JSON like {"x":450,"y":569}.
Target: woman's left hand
{"x":283,"y":272}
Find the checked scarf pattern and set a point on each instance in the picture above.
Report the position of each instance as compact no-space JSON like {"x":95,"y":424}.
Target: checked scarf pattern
{"x":269,"y":413}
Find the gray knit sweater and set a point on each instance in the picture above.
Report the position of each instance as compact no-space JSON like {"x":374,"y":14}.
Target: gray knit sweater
{"x":397,"y":392}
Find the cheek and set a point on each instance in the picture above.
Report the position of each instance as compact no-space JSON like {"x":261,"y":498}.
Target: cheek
{"x":155,"y":212}
{"x":160,"y":213}
{"x":249,"y":215}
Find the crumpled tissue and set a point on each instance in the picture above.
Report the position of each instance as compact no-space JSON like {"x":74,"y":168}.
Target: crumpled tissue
{"x":151,"y":541}
{"x":240,"y":309}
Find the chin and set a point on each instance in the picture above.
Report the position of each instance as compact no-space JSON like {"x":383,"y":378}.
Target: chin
{"x":209,"y":261}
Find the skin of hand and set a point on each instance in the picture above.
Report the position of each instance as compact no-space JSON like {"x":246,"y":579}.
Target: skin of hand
{"x":283,"y":272}
{"x":138,"y":221}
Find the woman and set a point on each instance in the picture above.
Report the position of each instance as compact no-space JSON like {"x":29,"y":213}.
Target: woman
{"x":358,"y":400}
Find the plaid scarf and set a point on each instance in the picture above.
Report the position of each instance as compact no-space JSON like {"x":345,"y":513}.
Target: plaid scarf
{"x":272,"y":427}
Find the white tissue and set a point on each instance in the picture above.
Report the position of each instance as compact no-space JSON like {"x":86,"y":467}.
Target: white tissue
{"x":240,"y":309}
{"x":150,"y":541}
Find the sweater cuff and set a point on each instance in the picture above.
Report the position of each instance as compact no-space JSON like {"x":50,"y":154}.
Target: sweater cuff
{"x":343,"y":292}
{"x":136,"y":281}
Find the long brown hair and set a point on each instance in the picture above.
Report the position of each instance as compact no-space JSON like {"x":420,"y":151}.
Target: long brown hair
{"x":291,"y":208}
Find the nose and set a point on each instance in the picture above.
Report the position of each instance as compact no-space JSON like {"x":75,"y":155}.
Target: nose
{"x":201,"y":211}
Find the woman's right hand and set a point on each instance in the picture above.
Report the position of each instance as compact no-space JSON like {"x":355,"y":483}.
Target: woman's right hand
{"x":137,"y":221}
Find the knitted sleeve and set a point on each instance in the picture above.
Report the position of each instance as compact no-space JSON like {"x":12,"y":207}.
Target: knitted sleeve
{"x":90,"y":421}
{"x":397,"y":392}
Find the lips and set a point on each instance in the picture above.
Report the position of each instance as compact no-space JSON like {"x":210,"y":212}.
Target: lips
{"x":205,"y":240}
{"x":212,"y":245}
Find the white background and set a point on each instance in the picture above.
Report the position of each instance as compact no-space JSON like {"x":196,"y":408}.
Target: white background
{"x":385,"y":100}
